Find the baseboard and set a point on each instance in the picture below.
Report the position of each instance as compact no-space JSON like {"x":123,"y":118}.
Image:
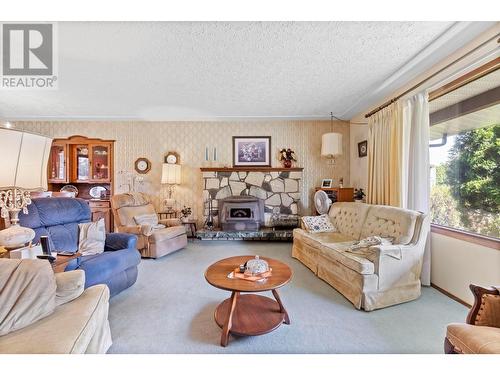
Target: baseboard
{"x":448,"y":294}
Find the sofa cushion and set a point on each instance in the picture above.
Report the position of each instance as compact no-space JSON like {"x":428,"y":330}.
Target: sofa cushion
{"x":318,"y":224}
{"x":127,"y":215}
{"x":45,"y":218}
{"x":314,"y":239}
{"x":46,"y":212}
{"x":390,"y":222}
{"x":85,"y":322}
{"x":349,"y":217}
{"x":356,"y":262}
{"x":470,"y":339}
{"x":167,"y":233}
{"x":325,"y":244}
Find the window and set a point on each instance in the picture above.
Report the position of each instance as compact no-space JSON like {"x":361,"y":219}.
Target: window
{"x":465,"y":157}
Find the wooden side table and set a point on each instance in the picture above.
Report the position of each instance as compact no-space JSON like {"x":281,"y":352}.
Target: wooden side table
{"x":191,"y":227}
{"x":61,"y":262}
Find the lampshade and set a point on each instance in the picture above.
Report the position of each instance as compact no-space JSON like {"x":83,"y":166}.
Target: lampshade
{"x":171,"y":174}
{"x":331,"y":144}
{"x":24,"y":160}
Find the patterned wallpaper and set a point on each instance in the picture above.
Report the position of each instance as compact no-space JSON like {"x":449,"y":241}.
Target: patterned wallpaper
{"x":154,"y":139}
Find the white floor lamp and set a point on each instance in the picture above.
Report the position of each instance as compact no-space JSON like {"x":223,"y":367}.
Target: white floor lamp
{"x":23,"y":169}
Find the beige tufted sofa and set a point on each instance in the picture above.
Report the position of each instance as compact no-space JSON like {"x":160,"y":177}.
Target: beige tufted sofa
{"x":377,"y":277}
{"x":152,"y":243}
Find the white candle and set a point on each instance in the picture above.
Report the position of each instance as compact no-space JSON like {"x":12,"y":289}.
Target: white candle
{"x":206,"y":153}
{"x":215,"y":153}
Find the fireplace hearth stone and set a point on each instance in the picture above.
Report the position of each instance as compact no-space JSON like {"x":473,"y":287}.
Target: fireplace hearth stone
{"x":263,"y":234}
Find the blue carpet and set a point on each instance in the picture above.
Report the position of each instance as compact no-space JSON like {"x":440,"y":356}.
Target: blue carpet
{"x":170,"y":310}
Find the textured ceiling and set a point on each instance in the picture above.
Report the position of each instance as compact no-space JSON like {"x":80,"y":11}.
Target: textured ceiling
{"x":213,"y":70}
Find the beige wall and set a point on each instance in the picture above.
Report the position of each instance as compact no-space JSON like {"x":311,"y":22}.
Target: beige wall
{"x":455,"y":264}
{"x":154,"y":139}
{"x":358,"y":166}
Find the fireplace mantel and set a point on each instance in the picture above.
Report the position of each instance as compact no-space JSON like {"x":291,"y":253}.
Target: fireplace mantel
{"x":250,"y":169}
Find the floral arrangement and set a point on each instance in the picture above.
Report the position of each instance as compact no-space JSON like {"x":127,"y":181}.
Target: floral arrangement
{"x":287,"y":154}
{"x":186,"y":211}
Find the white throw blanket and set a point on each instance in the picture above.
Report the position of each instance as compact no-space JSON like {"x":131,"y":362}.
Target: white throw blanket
{"x":362,"y":247}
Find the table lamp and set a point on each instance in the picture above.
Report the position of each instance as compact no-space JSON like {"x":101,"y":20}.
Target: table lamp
{"x":23,"y":169}
{"x":171,"y":176}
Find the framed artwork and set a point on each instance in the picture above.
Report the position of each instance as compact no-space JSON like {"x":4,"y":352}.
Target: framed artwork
{"x":326,"y":183}
{"x":362,"y":149}
{"x":251,"y":151}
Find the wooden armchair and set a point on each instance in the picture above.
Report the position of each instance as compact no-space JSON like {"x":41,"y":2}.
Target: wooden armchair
{"x":481,"y":332}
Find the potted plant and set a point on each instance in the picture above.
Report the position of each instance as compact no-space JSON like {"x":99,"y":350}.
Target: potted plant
{"x":287,"y":155}
{"x":359,"y":194}
{"x":185,"y":213}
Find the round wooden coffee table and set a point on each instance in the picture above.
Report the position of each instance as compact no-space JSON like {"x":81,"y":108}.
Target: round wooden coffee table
{"x":248,"y":314}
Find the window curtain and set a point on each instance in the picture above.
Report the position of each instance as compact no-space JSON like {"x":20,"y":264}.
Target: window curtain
{"x":416,"y":182}
{"x":385,"y":137}
{"x":398,"y":160}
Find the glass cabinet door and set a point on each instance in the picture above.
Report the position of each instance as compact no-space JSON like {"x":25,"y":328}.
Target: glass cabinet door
{"x":82,"y":163}
{"x":57,"y":164}
{"x":100,"y":162}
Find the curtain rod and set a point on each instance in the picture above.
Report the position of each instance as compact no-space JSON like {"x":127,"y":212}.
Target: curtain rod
{"x":396,"y":98}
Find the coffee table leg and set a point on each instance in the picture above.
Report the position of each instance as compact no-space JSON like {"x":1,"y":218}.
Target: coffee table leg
{"x":282,"y":308}
{"x":224,"y":339}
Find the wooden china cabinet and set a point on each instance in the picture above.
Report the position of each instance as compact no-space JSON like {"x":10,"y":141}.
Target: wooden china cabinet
{"x":87,"y":165}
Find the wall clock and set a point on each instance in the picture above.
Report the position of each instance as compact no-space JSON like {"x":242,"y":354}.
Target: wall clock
{"x":142,"y":165}
{"x":172,"y":158}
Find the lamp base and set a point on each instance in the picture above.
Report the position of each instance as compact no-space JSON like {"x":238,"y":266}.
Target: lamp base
{"x":16,"y":236}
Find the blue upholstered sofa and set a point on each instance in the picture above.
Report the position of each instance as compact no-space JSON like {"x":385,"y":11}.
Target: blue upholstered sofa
{"x":58,"y":218}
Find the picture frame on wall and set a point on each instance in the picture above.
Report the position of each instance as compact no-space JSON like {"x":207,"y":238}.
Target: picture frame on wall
{"x":362,"y":149}
{"x":251,"y":151}
{"x":326,"y":183}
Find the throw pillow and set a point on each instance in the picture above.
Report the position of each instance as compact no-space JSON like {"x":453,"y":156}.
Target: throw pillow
{"x":148,"y":219}
{"x":92,"y":237}
{"x":318,"y":224}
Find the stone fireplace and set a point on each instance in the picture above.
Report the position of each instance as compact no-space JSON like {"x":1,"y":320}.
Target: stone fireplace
{"x":277,"y":190}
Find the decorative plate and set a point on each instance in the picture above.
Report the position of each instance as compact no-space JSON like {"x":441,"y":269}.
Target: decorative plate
{"x":95,"y":192}
{"x":70,"y":188}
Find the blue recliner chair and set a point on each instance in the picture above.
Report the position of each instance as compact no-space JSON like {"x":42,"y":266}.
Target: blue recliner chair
{"x":58,"y":218}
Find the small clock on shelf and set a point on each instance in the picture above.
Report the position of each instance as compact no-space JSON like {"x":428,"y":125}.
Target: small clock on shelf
{"x":142,"y":165}
{"x":172,"y":158}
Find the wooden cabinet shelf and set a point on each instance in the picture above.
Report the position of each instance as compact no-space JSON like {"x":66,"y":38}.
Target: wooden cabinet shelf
{"x":85,"y":163}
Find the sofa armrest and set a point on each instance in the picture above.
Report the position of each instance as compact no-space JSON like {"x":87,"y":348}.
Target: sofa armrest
{"x":486,"y":308}
{"x":397,"y":264}
{"x":119,"y":241}
{"x":394,"y":251}
{"x":139,"y":230}
{"x":170,"y":222}
{"x":70,"y":285}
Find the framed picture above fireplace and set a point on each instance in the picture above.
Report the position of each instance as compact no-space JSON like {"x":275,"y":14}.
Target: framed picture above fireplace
{"x":251,"y":151}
